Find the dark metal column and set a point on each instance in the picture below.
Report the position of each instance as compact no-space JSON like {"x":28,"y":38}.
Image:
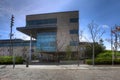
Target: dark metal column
{"x":30,"y":50}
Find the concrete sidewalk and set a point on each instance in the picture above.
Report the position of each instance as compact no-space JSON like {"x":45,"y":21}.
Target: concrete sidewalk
{"x":47,"y":66}
{"x":63,"y":66}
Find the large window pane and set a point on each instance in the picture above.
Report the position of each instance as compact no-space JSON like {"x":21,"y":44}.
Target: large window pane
{"x":43,"y":21}
{"x":73,"y":20}
{"x":74,"y":43}
{"x":46,"y":41}
{"x":74,"y":31}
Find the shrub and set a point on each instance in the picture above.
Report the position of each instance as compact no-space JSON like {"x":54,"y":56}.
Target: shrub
{"x":105,"y":58}
{"x":108,"y":55}
{"x":99,"y":61}
{"x":18,"y":60}
{"x":105,"y":55}
{"x":9,"y":60}
{"x":88,"y":61}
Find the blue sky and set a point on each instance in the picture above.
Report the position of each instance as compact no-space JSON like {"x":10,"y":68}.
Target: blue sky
{"x":105,"y":13}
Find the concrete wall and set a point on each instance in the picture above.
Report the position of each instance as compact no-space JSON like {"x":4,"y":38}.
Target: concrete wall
{"x":18,"y":51}
{"x":63,"y":28}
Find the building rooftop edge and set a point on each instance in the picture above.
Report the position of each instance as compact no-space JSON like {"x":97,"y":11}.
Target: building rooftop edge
{"x":53,"y":12}
{"x":14,"y":40}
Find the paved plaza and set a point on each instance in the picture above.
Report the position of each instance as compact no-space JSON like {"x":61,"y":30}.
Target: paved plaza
{"x":59,"y":72}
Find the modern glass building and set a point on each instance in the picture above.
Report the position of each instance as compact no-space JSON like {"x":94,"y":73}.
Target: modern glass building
{"x":53,"y":32}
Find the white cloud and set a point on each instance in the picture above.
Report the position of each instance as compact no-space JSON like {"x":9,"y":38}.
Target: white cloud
{"x":22,"y":8}
{"x":19,"y":35}
{"x":85,"y":37}
{"x":105,"y":26}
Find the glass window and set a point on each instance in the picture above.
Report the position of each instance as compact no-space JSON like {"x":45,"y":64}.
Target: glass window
{"x":73,"y":31}
{"x":46,"y":41}
{"x":73,"y":20}
{"x":17,"y":44}
{"x":43,"y":21}
{"x":73,"y":43}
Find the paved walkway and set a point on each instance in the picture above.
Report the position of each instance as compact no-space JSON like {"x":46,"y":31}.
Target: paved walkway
{"x":59,"y":72}
{"x":63,"y":66}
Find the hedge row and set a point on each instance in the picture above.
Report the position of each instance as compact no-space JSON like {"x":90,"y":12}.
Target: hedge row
{"x":9,"y":60}
{"x":99,"y":61}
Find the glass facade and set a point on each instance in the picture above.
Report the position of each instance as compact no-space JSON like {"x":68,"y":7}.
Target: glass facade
{"x":43,"y":21}
{"x":73,"y":20}
{"x":46,"y":41}
{"x":17,"y":44}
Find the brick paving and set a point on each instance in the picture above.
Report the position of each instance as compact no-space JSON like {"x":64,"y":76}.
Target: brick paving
{"x":63,"y":72}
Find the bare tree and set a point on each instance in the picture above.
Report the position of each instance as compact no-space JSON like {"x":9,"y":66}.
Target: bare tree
{"x":68,"y":52}
{"x":115,"y":38}
{"x":96,"y":33}
{"x":76,"y":39}
{"x":60,"y":43}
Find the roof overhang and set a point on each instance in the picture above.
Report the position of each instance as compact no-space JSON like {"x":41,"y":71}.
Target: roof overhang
{"x":33,"y":30}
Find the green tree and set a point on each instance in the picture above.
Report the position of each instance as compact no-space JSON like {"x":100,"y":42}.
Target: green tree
{"x":98,"y":50}
{"x":102,"y":44}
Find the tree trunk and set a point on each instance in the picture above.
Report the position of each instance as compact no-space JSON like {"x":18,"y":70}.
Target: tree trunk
{"x":93,"y":56}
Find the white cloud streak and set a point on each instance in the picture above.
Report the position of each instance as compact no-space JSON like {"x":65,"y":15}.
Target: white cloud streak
{"x":105,"y":26}
{"x":22,"y":8}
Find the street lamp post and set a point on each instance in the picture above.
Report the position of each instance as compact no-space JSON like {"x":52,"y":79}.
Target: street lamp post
{"x":11,"y":42}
